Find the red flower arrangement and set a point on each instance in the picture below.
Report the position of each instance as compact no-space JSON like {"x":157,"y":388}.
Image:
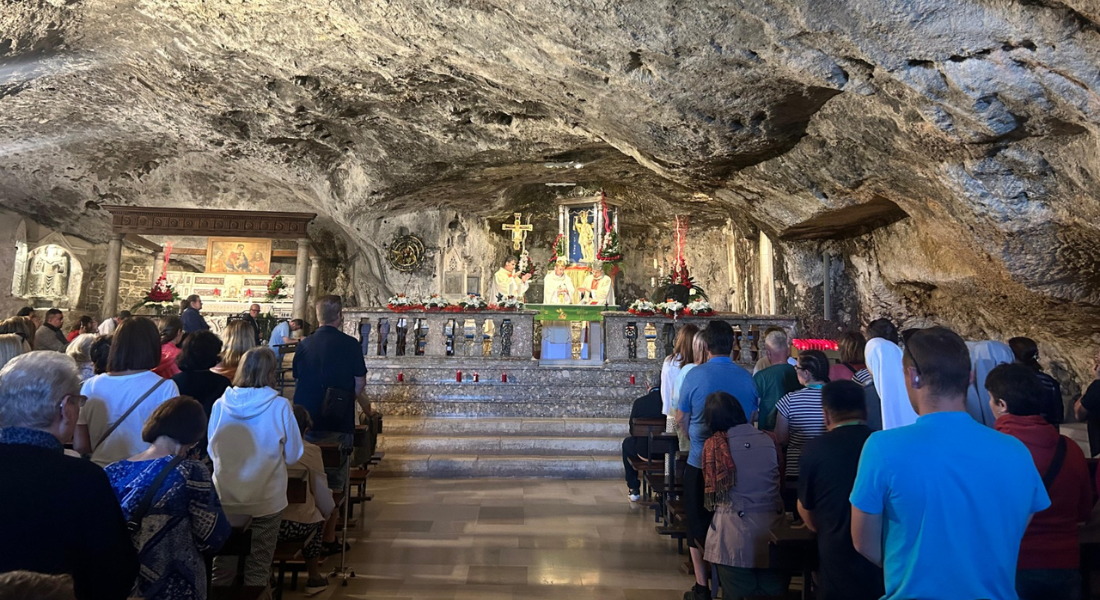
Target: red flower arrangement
{"x":815,"y":344}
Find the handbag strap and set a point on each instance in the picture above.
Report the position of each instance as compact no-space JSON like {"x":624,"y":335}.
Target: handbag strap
{"x":134,"y":523}
{"x":1055,"y":463}
{"x":133,"y":406}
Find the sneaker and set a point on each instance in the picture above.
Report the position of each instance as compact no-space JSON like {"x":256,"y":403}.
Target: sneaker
{"x":316,"y":586}
{"x":330,"y":548}
{"x":634,"y":496}
{"x":697,"y":592}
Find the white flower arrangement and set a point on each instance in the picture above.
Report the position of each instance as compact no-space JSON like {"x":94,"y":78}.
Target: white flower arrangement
{"x":510,"y":303}
{"x":642,"y":307}
{"x":472,"y":302}
{"x":435,"y":301}
{"x":699,"y":307}
{"x":401,"y":300}
{"x":670,"y":307}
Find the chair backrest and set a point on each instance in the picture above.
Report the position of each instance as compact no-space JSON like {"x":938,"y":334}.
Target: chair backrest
{"x":297,"y":488}
{"x":330,"y":455}
{"x":645,"y":427}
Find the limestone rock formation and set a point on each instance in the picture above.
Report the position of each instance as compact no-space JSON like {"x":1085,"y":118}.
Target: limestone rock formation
{"x":944,"y":151}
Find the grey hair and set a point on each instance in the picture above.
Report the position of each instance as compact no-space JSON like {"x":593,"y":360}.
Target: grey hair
{"x":11,"y":345}
{"x":32,"y":386}
{"x":777,"y":340}
{"x":80,"y":349}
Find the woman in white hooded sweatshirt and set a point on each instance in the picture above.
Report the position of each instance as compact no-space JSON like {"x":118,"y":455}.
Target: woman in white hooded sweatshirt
{"x":253,"y":437}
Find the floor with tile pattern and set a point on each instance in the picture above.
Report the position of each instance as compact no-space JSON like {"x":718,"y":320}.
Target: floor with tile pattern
{"x":486,"y":539}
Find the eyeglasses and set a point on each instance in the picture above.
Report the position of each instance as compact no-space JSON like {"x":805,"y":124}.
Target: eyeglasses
{"x":74,"y":399}
{"x":913,"y":360}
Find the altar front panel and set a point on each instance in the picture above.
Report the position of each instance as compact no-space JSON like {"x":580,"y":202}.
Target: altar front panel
{"x":228,"y":288}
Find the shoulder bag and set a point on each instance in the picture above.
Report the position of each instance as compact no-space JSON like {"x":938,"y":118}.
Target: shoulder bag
{"x":1055,"y":463}
{"x":134,"y":406}
{"x":133,"y":524}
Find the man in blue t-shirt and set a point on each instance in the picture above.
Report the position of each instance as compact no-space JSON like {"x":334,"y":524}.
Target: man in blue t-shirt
{"x":942,"y":504}
{"x":718,"y":374}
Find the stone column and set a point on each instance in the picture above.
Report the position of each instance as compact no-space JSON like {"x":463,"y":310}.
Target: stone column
{"x":301,"y":279}
{"x":114,"y":265}
{"x":314,"y":279}
{"x":158,"y":263}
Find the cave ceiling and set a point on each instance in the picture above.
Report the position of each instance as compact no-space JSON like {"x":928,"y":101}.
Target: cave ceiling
{"x":973,"y":121}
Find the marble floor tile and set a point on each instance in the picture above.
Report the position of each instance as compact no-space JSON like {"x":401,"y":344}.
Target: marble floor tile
{"x":486,"y":539}
{"x":496,"y":575}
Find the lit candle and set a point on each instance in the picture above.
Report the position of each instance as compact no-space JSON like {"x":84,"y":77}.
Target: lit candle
{"x":475,"y":376}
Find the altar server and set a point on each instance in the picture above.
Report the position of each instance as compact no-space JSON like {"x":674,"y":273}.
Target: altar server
{"x":506,"y":282}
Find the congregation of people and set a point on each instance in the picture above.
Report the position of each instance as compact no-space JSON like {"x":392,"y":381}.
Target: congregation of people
{"x":127,"y":446}
{"x":926,"y":466}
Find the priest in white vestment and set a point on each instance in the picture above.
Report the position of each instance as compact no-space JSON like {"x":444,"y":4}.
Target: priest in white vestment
{"x":506,"y":282}
{"x":595,"y":290}
{"x":557,"y":336}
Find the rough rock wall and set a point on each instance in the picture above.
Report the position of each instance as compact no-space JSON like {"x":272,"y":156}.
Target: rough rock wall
{"x":823,"y":124}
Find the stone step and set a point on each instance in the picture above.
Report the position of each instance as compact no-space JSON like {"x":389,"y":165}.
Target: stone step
{"x":476,"y":466}
{"x":551,"y":408}
{"x":501,"y":445}
{"x":590,"y":428}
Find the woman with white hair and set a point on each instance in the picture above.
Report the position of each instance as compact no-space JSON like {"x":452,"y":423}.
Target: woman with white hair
{"x":61,"y":514}
{"x":80,"y":350}
{"x":11,"y":345}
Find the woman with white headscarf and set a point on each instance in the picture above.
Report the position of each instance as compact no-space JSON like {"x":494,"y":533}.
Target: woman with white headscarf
{"x":983,"y":357}
{"x":884,"y":362}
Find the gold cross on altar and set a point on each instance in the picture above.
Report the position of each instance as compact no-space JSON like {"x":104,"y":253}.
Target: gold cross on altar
{"x":519,"y":231}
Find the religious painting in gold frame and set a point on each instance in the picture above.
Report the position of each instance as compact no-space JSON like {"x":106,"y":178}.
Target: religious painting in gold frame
{"x":238,"y":255}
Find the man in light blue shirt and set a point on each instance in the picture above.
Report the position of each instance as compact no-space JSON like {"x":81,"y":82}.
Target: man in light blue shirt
{"x":942,"y":504}
{"x":281,"y":335}
{"x":718,"y":374}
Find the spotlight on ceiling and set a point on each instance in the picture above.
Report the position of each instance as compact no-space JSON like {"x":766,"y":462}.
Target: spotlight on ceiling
{"x":564,"y":165}
{"x":561,"y":185}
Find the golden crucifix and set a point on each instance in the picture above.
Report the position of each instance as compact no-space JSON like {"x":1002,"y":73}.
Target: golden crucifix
{"x":519,"y":231}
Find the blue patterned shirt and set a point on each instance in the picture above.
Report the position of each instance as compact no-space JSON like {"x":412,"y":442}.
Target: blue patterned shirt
{"x":184,"y":521}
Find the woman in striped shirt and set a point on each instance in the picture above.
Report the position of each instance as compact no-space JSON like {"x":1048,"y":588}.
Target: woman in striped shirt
{"x":800,"y":418}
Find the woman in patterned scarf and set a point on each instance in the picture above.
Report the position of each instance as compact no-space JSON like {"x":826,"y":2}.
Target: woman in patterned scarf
{"x":741,"y":471}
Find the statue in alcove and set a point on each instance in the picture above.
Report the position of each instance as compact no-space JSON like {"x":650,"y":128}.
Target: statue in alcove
{"x":49,"y":274}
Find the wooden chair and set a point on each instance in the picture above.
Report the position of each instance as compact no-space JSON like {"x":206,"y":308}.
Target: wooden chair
{"x":281,"y":372}
{"x":646,"y":428}
{"x":286,"y":558}
{"x":239,"y":544}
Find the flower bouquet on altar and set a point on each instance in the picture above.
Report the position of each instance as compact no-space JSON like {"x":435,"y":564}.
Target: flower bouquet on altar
{"x":276,"y":287}
{"x":160,"y":297}
{"x":700,"y":308}
{"x":507,"y":303}
{"x":434,"y":302}
{"x":642,"y":308}
{"x":524,"y":265}
{"x":402,"y":303}
{"x":670,"y":308}
{"x":473,"y":302}
{"x":559,"y":252}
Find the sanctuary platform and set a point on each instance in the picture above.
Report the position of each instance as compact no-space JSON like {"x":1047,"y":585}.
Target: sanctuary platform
{"x":465,"y":394}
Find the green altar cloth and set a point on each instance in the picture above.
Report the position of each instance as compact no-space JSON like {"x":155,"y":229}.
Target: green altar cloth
{"x":567,"y":312}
